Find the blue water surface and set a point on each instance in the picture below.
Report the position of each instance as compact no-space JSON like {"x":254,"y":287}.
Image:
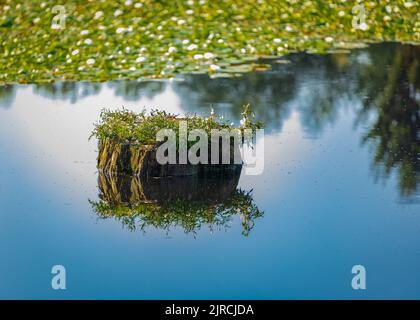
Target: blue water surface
{"x":339,"y":187}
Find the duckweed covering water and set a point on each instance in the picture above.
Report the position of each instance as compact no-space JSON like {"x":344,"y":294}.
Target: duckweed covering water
{"x":133,"y":39}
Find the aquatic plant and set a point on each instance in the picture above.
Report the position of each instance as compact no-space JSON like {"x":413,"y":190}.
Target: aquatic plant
{"x":103,"y":40}
{"x":125,"y":126}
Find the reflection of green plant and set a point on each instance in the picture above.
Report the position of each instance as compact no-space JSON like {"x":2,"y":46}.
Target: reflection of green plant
{"x":189,"y":215}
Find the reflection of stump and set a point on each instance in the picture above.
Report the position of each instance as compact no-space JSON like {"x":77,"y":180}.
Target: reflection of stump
{"x":140,"y":160}
{"x":116,"y":189}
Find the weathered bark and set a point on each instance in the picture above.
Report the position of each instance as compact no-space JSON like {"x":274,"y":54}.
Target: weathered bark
{"x":116,"y":157}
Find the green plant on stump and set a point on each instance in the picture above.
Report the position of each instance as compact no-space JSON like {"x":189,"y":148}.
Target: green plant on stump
{"x":127,"y":140}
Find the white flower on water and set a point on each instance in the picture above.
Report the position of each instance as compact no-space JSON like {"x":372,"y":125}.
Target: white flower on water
{"x":363,"y":26}
{"x":98,"y":14}
{"x":140,"y":59}
{"x":90,"y":61}
{"x":88,"y":41}
{"x":214,"y":67}
{"x":277,"y":40}
{"x":74,"y":52}
{"x":192,"y":47}
{"x":208,"y":55}
{"x":329,"y":39}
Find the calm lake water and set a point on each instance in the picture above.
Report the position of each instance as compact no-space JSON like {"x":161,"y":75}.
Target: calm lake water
{"x":340,"y":187}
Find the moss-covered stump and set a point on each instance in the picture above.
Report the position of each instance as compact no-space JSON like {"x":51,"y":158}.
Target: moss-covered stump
{"x":127,"y":142}
{"x":116,"y":157}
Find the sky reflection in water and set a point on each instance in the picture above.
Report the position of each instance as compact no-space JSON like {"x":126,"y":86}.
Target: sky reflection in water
{"x":340,"y":186}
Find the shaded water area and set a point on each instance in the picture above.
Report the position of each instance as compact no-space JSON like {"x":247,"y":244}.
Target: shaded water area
{"x":340,"y":187}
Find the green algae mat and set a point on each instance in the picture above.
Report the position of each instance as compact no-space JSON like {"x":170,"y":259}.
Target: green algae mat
{"x":42,"y":41}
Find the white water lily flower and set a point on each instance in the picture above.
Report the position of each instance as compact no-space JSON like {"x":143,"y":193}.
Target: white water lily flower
{"x":192,"y":47}
{"x":74,"y":52}
{"x":329,"y":39}
{"x":277,"y":40}
{"x":214,"y":67}
{"x":90,"y":61}
{"x":208,"y":55}
{"x":363,"y":26}
{"x":98,"y":14}
{"x":88,"y":41}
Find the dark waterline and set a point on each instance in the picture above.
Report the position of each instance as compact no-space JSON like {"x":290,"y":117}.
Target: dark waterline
{"x":340,"y":187}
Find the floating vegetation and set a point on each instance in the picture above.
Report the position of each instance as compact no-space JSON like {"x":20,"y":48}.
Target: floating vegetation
{"x":127,"y":141}
{"x":166,"y":203}
{"x":103,"y":40}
